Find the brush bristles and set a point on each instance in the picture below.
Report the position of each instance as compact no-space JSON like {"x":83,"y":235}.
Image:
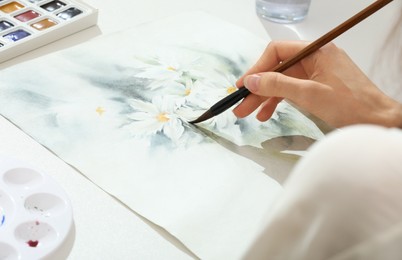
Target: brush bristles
{"x":207,"y":115}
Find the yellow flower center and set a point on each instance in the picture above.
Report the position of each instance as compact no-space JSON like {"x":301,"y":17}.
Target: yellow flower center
{"x":162,"y":118}
{"x":171,"y":68}
{"x":231,"y":89}
{"x":187,"y":91}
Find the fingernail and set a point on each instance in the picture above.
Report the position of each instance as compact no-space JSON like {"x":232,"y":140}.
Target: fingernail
{"x":252,"y":82}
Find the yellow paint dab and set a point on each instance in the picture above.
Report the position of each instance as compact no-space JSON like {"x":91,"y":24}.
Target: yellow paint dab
{"x":100,"y":110}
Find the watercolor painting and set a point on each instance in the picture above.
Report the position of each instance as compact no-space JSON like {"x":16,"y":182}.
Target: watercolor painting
{"x":117,"y":109}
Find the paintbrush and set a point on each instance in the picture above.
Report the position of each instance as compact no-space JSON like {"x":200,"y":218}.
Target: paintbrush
{"x":242,"y":92}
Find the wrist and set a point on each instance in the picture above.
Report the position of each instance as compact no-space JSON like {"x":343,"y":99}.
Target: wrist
{"x":399,"y":117}
{"x":388,"y":113}
{"x":396,"y":116}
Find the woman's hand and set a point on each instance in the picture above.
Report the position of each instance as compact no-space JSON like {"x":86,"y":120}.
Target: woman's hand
{"x":327,"y":84}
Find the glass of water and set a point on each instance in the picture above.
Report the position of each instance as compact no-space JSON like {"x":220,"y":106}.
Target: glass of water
{"x":283,"y":11}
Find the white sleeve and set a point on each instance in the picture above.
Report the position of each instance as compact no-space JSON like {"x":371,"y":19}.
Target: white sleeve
{"x":344,"y":195}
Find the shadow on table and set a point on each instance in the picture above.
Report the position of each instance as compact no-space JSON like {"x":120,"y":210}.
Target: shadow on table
{"x":274,"y":155}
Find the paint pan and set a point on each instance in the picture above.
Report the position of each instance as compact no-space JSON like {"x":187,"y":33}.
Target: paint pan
{"x":28,"y":24}
{"x":35,"y":213}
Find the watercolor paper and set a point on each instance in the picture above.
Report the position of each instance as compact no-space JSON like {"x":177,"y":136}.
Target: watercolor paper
{"x":117,"y":108}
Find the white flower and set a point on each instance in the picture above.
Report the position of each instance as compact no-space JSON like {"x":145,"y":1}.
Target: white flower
{"x":221,"y":85}
{"x":170,"y":67}
{"x":156,"y":117}
{"x":191,"y":94}
{"x":212,"y":91}
{"x":224,"y":124}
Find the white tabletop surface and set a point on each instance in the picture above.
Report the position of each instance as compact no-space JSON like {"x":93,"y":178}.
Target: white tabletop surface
{"x":103,"y":227}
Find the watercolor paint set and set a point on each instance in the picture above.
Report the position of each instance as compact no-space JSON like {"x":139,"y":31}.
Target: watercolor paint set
{"x":28,"y":24}
{"x":35,"y":212}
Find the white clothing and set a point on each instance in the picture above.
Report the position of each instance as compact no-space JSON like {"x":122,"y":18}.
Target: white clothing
{"x":342,"y":201}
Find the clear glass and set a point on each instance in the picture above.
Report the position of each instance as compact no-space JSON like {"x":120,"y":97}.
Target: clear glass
{"x":283,"y":11}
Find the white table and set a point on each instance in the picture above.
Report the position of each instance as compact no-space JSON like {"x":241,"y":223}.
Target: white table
{"x":106,"y":229}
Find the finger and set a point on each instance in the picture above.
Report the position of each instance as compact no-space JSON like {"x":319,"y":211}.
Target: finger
{"x":268,"y":108}
{"x":273,"y":84}
{"x":248,"y":105}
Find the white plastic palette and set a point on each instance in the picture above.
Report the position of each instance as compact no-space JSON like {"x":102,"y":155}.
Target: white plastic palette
{"x":35,"y":213}
{"x":29,"y":24}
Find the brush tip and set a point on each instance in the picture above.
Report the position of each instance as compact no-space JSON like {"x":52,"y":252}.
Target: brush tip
{"x":207,"y":115}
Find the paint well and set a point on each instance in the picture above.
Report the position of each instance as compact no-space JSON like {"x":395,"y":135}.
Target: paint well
{"x":4,"y":25}
{"x":27,"y":16}
{"x":44,"y":204}
{"x":69,"y":13}
{"x":43,"y":24}
{"x":16,"y":35}
{"x":53,"y":6}
{"x":39,"y":233}
{"x":23,"y":177}
{"x":11,"y":7}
